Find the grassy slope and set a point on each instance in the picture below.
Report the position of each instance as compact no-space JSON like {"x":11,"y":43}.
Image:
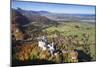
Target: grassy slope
{"x":69,"y":28}
{"x":65,"y":29}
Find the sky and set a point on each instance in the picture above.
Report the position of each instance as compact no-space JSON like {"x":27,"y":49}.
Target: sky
{"x":55,"y":8}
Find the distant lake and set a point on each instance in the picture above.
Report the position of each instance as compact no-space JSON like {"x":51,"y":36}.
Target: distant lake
{"x":92,"y":21}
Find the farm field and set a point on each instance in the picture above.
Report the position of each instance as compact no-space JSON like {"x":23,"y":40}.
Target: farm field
{"x":74,"y":28}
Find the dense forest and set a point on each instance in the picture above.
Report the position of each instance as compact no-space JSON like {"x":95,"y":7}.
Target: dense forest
{"x":37,"y":39}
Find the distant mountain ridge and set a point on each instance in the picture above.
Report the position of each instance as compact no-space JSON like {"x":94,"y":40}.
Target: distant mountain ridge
{"x":68,"y":17}
{"x":50,"y":17}
{"x":33,"y":16}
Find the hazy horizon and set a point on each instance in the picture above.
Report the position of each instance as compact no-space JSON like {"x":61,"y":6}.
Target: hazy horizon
{"x":54,"y":8}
